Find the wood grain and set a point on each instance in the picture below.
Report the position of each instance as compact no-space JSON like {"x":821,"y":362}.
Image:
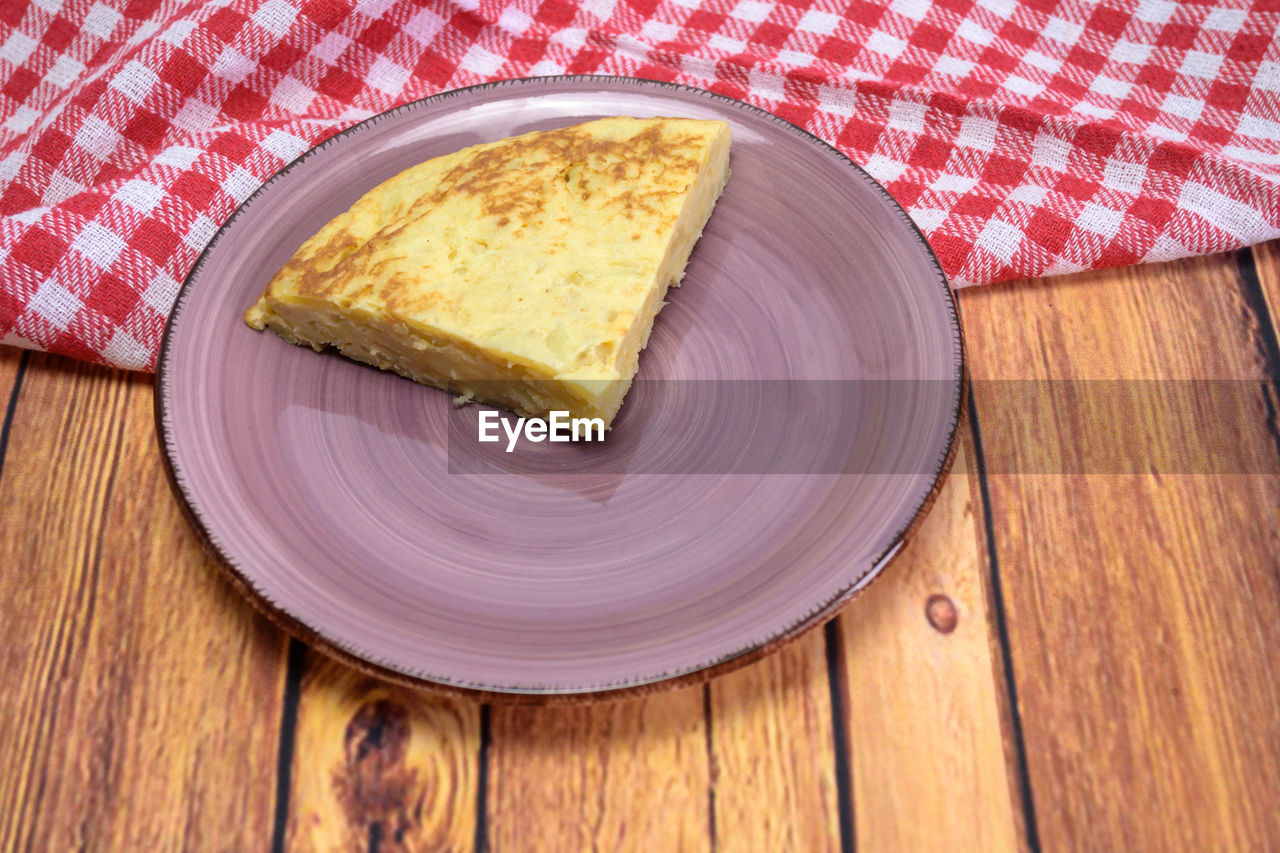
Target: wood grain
{"x":926,"y":738}
{"x":141,"y":698}
{"x":379,"y":766}
{"x":1266,"y":259}
{"x":10,"y":358}
{"x":625,"y":775}
{"x":1143,"y":608}
{"x":772,"y":743}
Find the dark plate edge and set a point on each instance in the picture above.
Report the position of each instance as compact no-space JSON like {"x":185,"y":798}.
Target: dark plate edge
{"x":541,"y":695}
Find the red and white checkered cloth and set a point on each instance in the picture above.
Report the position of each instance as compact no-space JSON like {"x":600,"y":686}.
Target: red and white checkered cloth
{"x":1026,"y":137}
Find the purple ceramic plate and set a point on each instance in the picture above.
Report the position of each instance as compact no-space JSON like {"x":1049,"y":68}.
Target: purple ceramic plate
{"x":794,"y":412}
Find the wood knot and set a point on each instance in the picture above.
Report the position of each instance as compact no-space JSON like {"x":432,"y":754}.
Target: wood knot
{"x":379,"y":731}
{"x":378,"y":792}
{"x":941,"y":613}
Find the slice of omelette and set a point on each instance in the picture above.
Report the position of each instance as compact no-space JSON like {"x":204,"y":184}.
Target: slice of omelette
{"x":525,"y":272}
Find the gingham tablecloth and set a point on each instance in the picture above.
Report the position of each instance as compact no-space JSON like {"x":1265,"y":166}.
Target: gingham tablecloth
{"x":1025,"y":138}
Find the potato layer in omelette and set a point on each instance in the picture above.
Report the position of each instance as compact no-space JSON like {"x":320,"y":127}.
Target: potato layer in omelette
{"x":525,"y":272}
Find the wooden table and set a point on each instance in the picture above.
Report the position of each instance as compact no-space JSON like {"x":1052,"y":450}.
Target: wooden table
{"x":1070,"y":654}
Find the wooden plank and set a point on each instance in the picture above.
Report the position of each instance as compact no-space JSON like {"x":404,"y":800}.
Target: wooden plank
{"x":379,"y":766}
{"x":141,"y":695}
{"x":622,"y":775}
{"x":1143,"y":609}
{"x":1266,"y":259}
{"x":10,"y":357}
{"x":772,"y":753}
{"x":923,"y":691}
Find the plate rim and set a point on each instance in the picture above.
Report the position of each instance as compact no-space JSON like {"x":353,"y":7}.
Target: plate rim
{"x":623,"y":687}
